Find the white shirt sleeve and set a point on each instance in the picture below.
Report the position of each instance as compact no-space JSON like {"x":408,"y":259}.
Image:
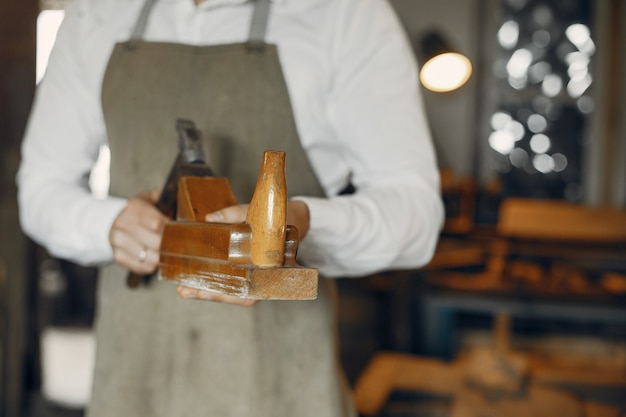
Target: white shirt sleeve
{"x":375,"y":108}
{"x":62,"y":141}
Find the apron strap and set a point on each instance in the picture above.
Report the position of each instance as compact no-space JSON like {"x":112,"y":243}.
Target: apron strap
{"x":258,"y":24}
{"x":142,"y":21}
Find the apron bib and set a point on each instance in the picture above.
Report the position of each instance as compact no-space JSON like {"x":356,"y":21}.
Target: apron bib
{"x":162,"y":356}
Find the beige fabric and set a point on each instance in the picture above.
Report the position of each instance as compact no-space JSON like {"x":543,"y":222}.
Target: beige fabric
{"x":158,"y":355}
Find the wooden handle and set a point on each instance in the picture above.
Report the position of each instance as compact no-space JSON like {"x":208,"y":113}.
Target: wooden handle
{"x":134,"y":280}
{"x":267,"y":213}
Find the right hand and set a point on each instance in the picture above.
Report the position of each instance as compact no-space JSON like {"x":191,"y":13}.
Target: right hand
{"x":136,"y":234}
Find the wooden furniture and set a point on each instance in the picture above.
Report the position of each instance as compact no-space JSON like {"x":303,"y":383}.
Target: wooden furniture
{"x":544,"y":259}
{"x":495,"y":380}
{"x":555,"y":250}
{"x":459,"y":195}
{"x":255,"y":259}
{"x":551,"y":220}
{"x":542,"y":246}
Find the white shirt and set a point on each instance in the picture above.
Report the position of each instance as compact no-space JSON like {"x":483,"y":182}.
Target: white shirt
{"x":352,"y":80}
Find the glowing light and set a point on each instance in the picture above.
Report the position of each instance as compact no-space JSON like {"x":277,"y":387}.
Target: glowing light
{"x":446,"y":72}
{"x":577,"y":60}
{"x":499,"y":120}
{"x":577,"y":87}
{"x":540,"y":143}
{"x":578,"y":71}
{"x":518,"y":83}
{"x":502,"y":141}
{"x":537,"y":123}
{"x":580,"y":36}
{"x":552,"y":85}
{"x":517,"y":67}
{"x":543,"y":163}
{"x":508,"y":34}
{"x":516,"y":129}
{"x":518,"y":64}
{"x":48,"y":23}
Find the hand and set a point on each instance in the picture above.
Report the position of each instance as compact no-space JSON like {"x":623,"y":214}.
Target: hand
{"x":297,"y":215}
{"x":136,"y":234}
{"x":186,"y":292}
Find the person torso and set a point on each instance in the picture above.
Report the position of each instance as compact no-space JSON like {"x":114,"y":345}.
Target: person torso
{"x":159,"y":355}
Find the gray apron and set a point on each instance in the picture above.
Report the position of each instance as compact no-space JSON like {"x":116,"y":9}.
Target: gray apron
{"x":159,"y":355}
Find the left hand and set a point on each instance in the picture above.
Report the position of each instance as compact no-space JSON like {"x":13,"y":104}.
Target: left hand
{"x":186,"y":292}
{"x":297,"y":215}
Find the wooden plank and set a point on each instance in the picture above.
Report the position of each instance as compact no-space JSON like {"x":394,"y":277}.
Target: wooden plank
{"x":557,"y":220}
{"x":389,"y":370}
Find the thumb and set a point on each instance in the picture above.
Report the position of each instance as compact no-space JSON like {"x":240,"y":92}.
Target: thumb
{"x":232,"y":214}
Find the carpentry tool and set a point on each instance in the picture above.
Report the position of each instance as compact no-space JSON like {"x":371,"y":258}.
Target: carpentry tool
{"x":190,"y":161}
{"x":255,"y":259}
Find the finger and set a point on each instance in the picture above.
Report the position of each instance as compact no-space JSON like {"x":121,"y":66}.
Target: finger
{"x":132,"y":255}
{"x":232,"y":214}
{"x":192,"y":293}
{"x":154,"y":195}
{"x":140,"y":262}
{"x":299,"y":216}
{"x":134,"y":237}
{"x":142,"y":221}
{"x":143,"y":259}
{"x":134,"y":220}
{"x":147,"y":238}
{"x":148,"y":216}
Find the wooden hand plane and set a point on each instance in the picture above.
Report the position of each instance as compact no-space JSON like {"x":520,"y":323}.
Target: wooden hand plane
{"x":255,"y":259}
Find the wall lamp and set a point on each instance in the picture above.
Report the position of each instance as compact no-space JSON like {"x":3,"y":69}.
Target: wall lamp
{"x":442,"y":69}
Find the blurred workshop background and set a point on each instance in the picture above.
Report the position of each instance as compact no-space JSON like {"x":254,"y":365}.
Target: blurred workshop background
{"x":522,"y":311}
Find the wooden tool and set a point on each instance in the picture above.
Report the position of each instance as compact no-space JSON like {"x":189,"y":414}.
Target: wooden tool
{"x":190,"y":161}
{"x":255,"y":259}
